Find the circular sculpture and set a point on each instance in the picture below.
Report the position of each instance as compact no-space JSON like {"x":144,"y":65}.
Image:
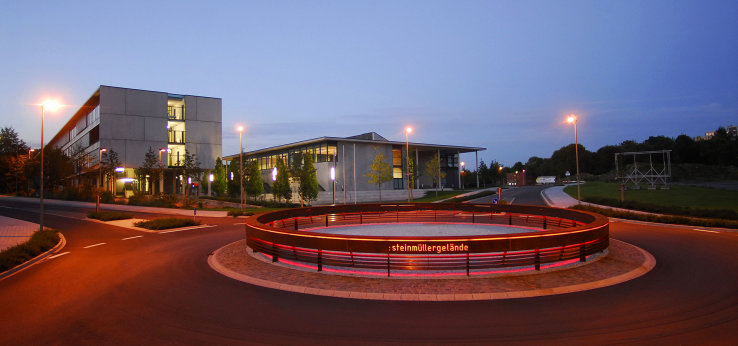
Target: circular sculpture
{"x":549,"y":237}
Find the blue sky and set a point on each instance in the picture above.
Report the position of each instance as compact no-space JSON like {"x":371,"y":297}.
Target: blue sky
{"x":495,"y":74}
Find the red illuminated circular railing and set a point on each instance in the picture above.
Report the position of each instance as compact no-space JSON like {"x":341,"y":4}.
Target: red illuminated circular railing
{"x":548,"y":236}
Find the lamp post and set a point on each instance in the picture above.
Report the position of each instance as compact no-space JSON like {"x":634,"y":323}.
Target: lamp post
{"x":462,"y":174}
{"x":161,"y":171}
{"x":97,"y":204}
{"x":572,"y":119}
{"x":407,"y":159}
{"x":333,"y":181}
{"x":50,"y":105}
{"x":240,"y":162}
{"x":274,"y":179}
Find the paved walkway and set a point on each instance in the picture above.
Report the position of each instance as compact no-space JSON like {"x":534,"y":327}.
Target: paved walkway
{"x":121,"y":207}
{"x":14,"y":232}
{"x":556,"y":197}
{"x":624,"y":262}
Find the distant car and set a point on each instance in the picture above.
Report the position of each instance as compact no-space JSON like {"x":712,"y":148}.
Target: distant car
{"x":543,"y":180}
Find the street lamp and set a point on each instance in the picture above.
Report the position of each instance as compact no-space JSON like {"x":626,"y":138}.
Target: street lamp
{"x":462,"y":173}
{"x":161,"y":171}
{"x":50,"y":105}
{"x":333,"y":180}
{"x":97,"y":204}
{"x":407,"y":159}
{"x":239,"y":128}
{"x":572,"y":119}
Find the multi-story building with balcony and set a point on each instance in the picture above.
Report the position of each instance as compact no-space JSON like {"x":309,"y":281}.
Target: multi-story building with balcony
{"x":132,"y":122}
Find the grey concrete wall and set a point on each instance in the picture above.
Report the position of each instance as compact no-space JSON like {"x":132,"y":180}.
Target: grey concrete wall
{"x":364,"y":157}
{"x":204,"y":129}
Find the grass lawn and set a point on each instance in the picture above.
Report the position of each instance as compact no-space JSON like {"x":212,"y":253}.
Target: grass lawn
{"x":167,"y":223}
{"x":430,"y":196}
{"x":40,"y":241}
{"x":109,"y":215}
{"x":676,"y":196}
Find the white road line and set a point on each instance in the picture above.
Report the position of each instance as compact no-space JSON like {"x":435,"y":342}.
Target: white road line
{"x":187,"y":229}
{"x":98,"y":244}
{"x":512,"y":200}
{"x":705,"y":230}
{"x":138,"y":236}
{"x":59,"y":255}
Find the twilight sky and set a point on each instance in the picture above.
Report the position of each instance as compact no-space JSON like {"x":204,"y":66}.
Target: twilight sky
{"x":495,"y":74}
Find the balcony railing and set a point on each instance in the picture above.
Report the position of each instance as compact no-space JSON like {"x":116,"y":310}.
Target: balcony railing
{"x":176,"y":113}
{"x":176,"y":137}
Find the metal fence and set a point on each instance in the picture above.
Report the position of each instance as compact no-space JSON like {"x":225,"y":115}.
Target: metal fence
{"x":557,"y":235}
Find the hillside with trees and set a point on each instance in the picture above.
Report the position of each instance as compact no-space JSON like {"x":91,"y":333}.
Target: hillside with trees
{"x":714,"y":158}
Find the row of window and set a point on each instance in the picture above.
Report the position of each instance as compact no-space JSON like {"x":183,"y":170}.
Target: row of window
{"x":321,"y":152}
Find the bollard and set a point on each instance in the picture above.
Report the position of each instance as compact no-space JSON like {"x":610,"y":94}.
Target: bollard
{"x":538,"y":260}
{"x":320,"y":260}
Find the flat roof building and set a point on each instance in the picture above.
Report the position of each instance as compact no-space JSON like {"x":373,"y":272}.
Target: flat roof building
{"x":132,"y":121}
{"x":352,"y":156}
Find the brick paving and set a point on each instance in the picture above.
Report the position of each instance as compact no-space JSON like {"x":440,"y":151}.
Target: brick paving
{"x":622,"y":263}
{"x":14,"y":232}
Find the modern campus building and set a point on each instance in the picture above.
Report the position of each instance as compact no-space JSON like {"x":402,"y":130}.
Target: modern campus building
{"x":351,"y":158}
{"x":131,"y":122}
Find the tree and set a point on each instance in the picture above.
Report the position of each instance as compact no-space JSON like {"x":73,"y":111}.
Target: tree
{"x":110,"y":162}
{"x":309,"y":180}
{"x":13,"y":152}
{"x":10,"y":144}
{"x":483,"y":173}
{"x":433,"y":169}
{"x":303,"y":172}
{"x":233,"y":178}
{"x":149,"y":168}
{"x":219,"y":178}
{"x":191,"y":169}
{"x":57,"y":167}
{"x":281,"y":186}
{"x":379,"y":172}
{"x":414,"y":174}
{"x":253,"y":183}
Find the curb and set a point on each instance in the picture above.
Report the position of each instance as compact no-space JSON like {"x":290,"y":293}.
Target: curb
{"x":27,"y":264}
{"x":648,"y":263}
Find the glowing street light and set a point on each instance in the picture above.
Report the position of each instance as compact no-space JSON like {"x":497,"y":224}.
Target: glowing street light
{"x":239,"y":128}
{"x":97,"y":204}
{"x":462,"y":163}
{"x":572,"y":119}
{"x":50,"y":105}
{"x":161,"y":170}
{"x":274,"y":174}
{"x":333,"y":180}
{"x":408,"y":130}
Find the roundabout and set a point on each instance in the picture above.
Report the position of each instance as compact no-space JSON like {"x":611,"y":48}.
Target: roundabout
{"x":472,"y":252}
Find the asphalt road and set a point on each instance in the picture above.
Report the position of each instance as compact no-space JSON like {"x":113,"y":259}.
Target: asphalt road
{"x":158,"y":288}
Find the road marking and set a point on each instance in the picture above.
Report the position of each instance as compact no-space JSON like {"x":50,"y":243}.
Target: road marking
{"x":704,"y":230}
{"x":59,"y":255}
{"x":138,"y":236}
{"x":98,"y":244}
{"x":187,"y":229}
{"x":512,"y":200}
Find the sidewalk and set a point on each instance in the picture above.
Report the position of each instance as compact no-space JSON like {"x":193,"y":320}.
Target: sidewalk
{"x":121,"y":207}
{"x":14,"y":232}
{"x":556,"y":197}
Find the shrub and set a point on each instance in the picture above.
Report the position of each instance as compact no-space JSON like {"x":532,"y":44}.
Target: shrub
{"x":141,"y":199}
{"x":665,"y":209}
{"x":671,"y":219}
{"x":166,"y":223}
{"x":109,"y":215}
{"x":40,"y":242}
{"x":239,"y":212}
